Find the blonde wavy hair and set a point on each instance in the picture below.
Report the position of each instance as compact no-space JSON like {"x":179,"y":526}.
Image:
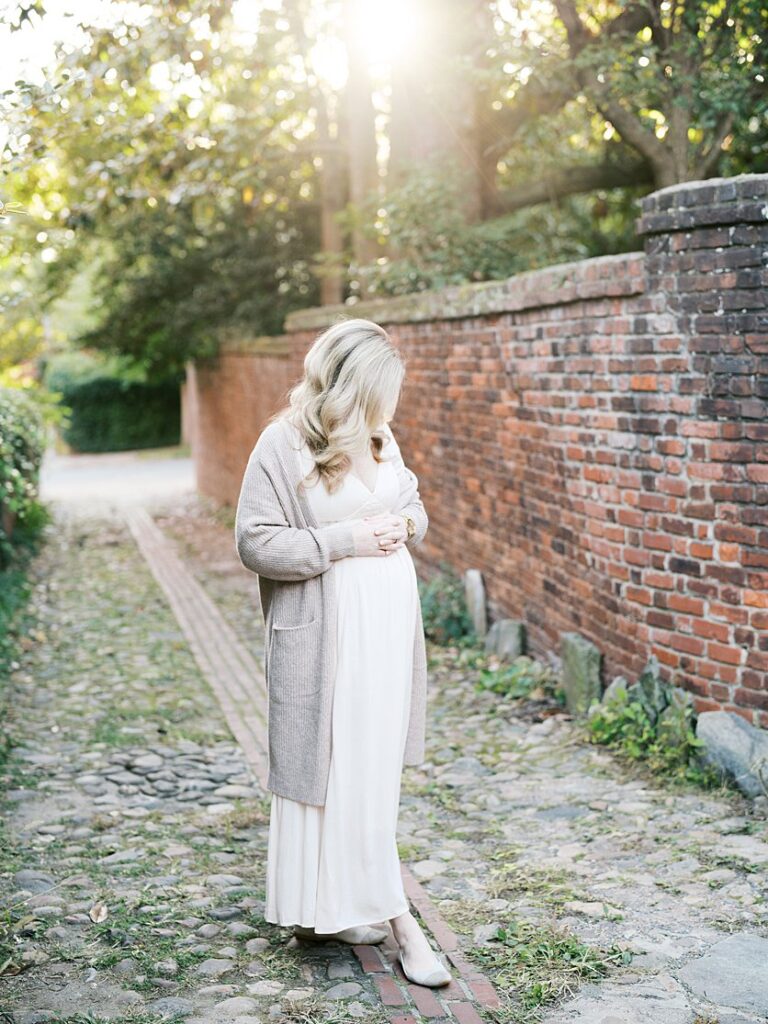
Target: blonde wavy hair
{"x":352,"y":379}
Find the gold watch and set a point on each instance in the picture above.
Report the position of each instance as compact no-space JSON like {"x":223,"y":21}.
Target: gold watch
{"x":410,"y":526}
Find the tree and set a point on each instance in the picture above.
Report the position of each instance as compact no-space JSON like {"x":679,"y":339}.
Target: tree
{"x":167,"y":155}
{"x":673,"y":81}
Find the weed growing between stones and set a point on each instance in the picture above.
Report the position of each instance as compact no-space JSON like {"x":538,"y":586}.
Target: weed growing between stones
{"x":138,"y":932}
{"x":652,"y":723}
{"x":463,"y":914}
{"x":407,"y":851}
{"x":444,"y":609}
{"x":522,"y":678}
{"x":538,"y":965}
{"x":128,"y":1017}
{"x":434,"y":791}
{"x":314,"y":1011}
{"x":543,"y":886}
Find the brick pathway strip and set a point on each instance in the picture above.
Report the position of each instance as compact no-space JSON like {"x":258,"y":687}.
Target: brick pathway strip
{"x":234,"y":676}
{"x":238,"y":682}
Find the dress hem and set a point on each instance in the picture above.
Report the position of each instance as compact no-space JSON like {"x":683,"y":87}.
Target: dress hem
{"x":354,"y":924}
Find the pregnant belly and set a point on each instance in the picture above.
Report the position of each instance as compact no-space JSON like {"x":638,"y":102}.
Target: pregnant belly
{"x":381,"y":572}
{"x":377,"y":601}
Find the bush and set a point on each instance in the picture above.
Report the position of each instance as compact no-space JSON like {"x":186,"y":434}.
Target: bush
{"x":22,"y":517}
{"x":22,"y":444}
{"x":110,"y":407}
{"x":654,"y":723}
{"x":444,"y":609}
{"x":15,"y":588}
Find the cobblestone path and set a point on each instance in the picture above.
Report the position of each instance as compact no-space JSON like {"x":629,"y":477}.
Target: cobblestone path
{"x":135,"y":831}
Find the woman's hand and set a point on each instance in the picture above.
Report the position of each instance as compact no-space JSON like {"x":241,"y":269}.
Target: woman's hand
{"x":380,"y":534}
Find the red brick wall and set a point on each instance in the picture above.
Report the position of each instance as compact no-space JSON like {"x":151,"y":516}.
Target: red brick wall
{"x":226,"y":403}
{"x":591,"y":436}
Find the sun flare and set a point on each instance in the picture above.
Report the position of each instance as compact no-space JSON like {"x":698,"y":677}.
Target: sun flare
{"x":385,"y":32}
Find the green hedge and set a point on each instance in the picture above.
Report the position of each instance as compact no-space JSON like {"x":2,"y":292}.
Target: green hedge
{"x":22,"y":517}
{"x":110,"y":405}
{"x":110,"y":415}
{"x":22,"y":443}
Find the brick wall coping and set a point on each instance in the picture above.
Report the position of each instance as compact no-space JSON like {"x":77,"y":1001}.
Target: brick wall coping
{"x":236,"y":340}
{"x":714,"y":201}
{"x":596,"y":278}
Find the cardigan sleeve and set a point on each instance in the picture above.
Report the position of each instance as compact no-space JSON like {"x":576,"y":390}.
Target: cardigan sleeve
{"x":269,"y":546}
{"x":410,"y":502}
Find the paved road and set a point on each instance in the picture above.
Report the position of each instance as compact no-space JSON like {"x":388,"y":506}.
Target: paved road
{"x":108,"y":483}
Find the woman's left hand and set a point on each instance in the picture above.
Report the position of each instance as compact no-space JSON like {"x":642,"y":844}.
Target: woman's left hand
{"x":391,"y":530}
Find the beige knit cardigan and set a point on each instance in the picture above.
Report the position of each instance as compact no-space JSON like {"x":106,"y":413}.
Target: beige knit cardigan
{"x":278,"y":538}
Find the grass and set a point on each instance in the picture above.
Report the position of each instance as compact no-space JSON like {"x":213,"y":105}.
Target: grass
{"x":541,"y":886}
{"x":434,"y":791}
{"x":134,"y":932}
{"x":143,"y":676}
{"x":408,"y":852}
{"x":463,"y":915}
{"x":519,"y":679}
{"x":315,"y":1011}
{"x":129,"y":1017}
{"x":171,"y":451}
{"x":541,"y":964}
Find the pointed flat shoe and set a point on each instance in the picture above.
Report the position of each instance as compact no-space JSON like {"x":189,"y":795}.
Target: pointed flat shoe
{"x":435,"y":978}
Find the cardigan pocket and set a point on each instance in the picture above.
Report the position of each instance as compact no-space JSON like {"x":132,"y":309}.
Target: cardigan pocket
{"x":294,"y":664}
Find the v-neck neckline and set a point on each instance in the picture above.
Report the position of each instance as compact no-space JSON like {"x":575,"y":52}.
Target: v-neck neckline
{"x":371,"y":490}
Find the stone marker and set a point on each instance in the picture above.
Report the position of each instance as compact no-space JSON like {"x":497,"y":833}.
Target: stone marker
{"x":474,"y":594}
{"x":739,"y":750}
{"x":581,"y":672}
{"x":506,"y":638}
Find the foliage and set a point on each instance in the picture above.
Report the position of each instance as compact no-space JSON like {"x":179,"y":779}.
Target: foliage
{"x":426,"y":242}
{"x":22,"y":380}
{"x":179,"y":282}
{"x":519,"y":678}
{"x":165,"y":154}
{"x":22,"y":443}
{"x":22,"y":517}
{"x":543,"y":963}
{"x":653,"y":723}
{"x":14,"y":584}
{"x":675,"y":84}
{"x":110,"y":408}
{"x":444,"y":609}
{"x":61,"y":370}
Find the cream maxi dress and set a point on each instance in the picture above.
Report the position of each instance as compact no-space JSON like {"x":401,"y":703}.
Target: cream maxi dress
{"x":337,"y":866}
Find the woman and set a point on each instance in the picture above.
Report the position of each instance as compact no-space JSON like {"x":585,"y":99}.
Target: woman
{"x":325,"y":501}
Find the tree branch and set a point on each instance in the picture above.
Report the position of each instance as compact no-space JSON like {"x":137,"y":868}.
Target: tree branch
{"x":534,"y":99}
{"x":572,"y":181}
{"x":578,"y":34}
